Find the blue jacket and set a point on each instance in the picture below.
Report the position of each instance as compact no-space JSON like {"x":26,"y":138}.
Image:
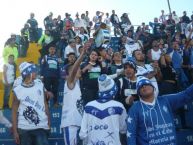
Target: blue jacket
{"x":154,"y":124}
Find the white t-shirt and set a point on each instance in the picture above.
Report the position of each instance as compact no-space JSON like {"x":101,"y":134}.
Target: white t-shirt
{"x":68,"y":50}
{"x":72,"y":108}
{"x":155,"y":54}
{"x":130,"y":48}
{"x":188,"y":28}
{"x":31,"y":111}
{"x":102,"y":123}
{"x":10,"y":74}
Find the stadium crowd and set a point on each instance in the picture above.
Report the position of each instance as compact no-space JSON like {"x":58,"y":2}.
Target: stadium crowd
{"x":106,"y":91}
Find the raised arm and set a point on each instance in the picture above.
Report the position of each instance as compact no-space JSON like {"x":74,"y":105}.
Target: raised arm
{"x":72,"y":76}
{"x":180,"y":99}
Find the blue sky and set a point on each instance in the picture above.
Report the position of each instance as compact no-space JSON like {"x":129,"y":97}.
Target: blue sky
{"x":14,"y":13}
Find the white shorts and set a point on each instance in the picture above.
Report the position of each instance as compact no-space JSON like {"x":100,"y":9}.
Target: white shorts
{"x":71,"y":135}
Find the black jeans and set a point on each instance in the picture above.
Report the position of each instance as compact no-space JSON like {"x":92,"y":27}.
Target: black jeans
{"x":51,"y":84}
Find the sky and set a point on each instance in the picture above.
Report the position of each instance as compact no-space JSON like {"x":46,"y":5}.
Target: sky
{"x":14,"y":13}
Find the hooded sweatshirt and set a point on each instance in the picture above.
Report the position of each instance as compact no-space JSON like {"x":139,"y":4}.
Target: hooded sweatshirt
{"x":153,"y":123}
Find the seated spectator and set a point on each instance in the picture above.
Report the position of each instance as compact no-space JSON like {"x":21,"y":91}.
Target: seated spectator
{"x":155,"y":53}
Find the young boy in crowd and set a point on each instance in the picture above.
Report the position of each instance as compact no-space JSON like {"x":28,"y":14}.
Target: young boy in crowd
{"x":50,"y":72}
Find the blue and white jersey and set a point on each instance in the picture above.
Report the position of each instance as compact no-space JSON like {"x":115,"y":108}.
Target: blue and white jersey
{"x":102,"y":37}
{"x":102,"y":122}
{"x":153,"y":123}
{"x":31,"y":111}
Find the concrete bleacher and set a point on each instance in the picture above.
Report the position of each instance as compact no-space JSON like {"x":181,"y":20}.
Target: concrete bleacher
{"x":184,"y":137}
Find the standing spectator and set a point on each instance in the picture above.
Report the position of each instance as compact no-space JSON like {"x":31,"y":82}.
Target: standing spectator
{"x":8,"y":79}
{"x":175,"y":17}
{"x":68,"y":24}
{"x":125,"y":23}
{"x":72,"y":109}
{"x":102,"y":115}
{"x":162,"y":18}
{"x":91,"y":70}
{"x":115,"y":21}
{"x":177,"y":61}
{"x":60,"y":23}
{"x":156,"y":27}
{"x":88,"y":23}
{"x":48,"y":21}
{"x":25,"y":39}
{"x":83,"y":35}
{"x":117,"y":65}
{"x":150,"y":120}
{"x":185,"y":18}
{"x":189,"y":28}
{"x":97,"y":24}
{"x":170,"y":25}
{"x":33,"y":30}
{"x":77,"y":24}
{"x":96,"y":18}
{"x":30,"y":114}
{"x":101,"y":35}
{"x":61,"y":45}
{"x":50,"y":72}
{"x":168,"y":83}
{"x":107,"y":21}
{"x":71,"y":47}
{"x":78,"y":42}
